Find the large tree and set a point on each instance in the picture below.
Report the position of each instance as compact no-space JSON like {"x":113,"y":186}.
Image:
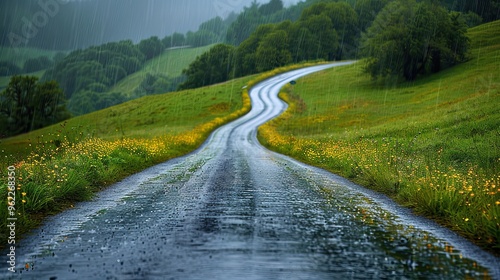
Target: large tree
{"x":344,"y":21}
{"x":246,"y":60}
{"x":26,"y":105}
{"x":151,"y":47}
{"x":367,"y":10}
{"x":408,"y":38}
{"x":325,"y":41}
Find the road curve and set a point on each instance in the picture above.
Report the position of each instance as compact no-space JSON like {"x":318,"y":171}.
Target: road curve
{"x":234,"y":210}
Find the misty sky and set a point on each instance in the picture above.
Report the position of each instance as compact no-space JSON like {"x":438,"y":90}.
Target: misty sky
{"x":168,"y":16}
{"x":114,"y":20}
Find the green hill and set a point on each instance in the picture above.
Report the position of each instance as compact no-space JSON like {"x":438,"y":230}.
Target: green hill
{"x":170,"y":63}
{"x":432,"y":144}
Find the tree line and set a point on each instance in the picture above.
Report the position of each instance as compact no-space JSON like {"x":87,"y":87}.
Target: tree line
{"x":397,"y":37}
{"x":27,"y":104}
{"x":324,"y":31}
{"x":9,"y":68}
{"x":409,"y":38}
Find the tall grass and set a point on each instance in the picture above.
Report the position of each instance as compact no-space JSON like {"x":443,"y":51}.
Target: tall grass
{"x":432,"y":144}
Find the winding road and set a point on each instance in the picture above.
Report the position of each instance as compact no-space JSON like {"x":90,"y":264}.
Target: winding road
{"x":234,"y":210}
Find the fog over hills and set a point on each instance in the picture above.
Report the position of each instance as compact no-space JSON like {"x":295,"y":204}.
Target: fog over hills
{"x":64,"y":24}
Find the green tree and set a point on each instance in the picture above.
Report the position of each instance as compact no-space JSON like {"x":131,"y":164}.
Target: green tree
{"x":301,"y":40}
{"x":201,"y":38}
{"x":247,"y":22}
{"x":326,"y":41}
{"x":367,"y":11}
{"x":273,"y":51}
{"x":87,"y":101}
{"x":488,"y":10}
{"x":154,"y":84}
{"x":27,"y":105}
{"x":345,"y":22}
{"x":217,"y":26}
{"x":178,"y":40}
{"x":151,"y":47}
{"x":245,"y":54}
{"x":212,"y":67}
{"x":408,"y":38}
{"x":270,"y":8}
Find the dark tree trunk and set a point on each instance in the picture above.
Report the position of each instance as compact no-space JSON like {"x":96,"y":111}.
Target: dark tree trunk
{"x":410,"y":69}
{"x":436,"y":61}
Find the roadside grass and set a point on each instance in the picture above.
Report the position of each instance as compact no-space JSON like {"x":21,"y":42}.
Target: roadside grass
{"x":432,"y":145}
{"x":169,"y":63}
{"x":63,"y":164}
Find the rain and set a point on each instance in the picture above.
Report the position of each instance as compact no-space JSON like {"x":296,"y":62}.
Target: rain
{"x":249,"y":139}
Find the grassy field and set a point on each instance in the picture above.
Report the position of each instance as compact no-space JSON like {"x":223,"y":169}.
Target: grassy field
{"x":170,"y":63}
{"x":20,"y":55}
{"x":432,"y":144}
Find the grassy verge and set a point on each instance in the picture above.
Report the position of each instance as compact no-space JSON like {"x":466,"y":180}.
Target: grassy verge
{"x":432,"y":144}
{"x":60,"y":165}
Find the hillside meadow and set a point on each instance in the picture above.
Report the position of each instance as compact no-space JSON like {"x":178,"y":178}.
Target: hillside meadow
{"x":432,"y":144}
{"x":170,"y":63}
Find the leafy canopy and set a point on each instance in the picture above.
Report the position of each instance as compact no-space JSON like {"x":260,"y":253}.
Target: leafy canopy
{"x":26,"y":105}
{"x":409,"y":38}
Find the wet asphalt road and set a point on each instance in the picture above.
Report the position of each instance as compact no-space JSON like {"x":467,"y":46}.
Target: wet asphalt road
{"x":234,"y":210}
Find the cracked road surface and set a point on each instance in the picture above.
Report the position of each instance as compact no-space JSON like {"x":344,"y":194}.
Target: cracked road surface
{"x":234,"y":210}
